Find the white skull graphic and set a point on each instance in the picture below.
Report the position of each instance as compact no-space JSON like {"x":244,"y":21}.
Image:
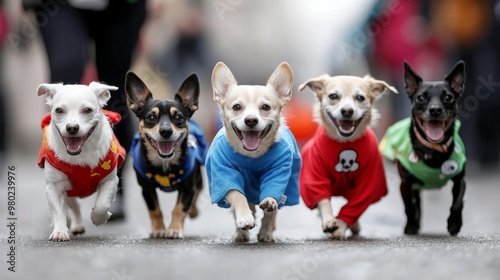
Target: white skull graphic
{"x":449,"y":167}
{"x":347,"y":161}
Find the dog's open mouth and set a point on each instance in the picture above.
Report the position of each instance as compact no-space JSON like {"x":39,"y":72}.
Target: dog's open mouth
{"x":346,"y":128}
{"x":434,"y":129}
{"x":251,"y":139}
{"x":74,"y":145}
{"x":165,"y":149}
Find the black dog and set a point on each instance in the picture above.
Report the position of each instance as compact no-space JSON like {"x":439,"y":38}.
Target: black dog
{"x":168,"y":151}
{"x":427,"y":146}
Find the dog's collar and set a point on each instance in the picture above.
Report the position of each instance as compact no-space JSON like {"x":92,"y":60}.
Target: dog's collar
{"x":443,"y":148}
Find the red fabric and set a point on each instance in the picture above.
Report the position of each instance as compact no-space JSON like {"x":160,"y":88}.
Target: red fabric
{"x":84,"y":180}
{"x":319,"y":178}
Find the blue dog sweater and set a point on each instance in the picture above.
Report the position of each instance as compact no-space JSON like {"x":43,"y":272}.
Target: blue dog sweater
{"x":274,"y":174}
{"x":197,"y":151}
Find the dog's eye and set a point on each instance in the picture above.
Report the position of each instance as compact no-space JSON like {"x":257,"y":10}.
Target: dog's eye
{"x":360,"y":98}
{"x":59,"y":110}
{"x":151,"y":118}
{"x":178,"y":118}
{"x":448,"y":98}
{"x":333,"y":96}
{"x":421,"y":99}
{"x":236,"y":107}
{"x":266,"y":107}
{"x":88,"y":110}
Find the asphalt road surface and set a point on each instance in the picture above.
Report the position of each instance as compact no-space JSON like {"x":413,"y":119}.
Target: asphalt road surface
{"x":123,"y":251}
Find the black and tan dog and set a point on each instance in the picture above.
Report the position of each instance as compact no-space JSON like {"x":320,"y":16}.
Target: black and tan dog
{"x":427,"y":147}
{"x":168,"y":151}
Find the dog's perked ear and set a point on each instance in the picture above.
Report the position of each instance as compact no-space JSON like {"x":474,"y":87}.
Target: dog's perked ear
{"x":102,"y":92}
{"x":189,"y":92}
{"x":315,"y":84}
{"x":222,"y":82}
{"x":48,"y":90}
{"x":412,"y":80}
{"x":137,"y":92}
{"x":456,"y":78}
{"x":377,"y":87}
{"x":282,"y":82}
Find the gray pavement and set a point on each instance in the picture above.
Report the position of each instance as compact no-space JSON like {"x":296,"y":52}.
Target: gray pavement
{"x":119,"y":251}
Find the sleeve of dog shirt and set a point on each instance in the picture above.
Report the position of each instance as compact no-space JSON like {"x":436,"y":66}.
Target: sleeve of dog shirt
{"x":370,"y":186}
{"x":222,"y":176}
{"x":276,"y":179}
{"x":315,"y":181}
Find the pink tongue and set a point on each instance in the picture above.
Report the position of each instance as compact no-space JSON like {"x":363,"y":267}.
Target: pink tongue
{"x":73,"y":144}
{"x":434,"y":130}
{"x":165,"y":147}
{"x":251,"y":140}
{"x":346,"y":125}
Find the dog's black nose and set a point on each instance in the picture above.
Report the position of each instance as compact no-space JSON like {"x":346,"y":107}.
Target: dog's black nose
{"x":347,"y":112}
{"x":72,"y":128}
{"x":166,"y":132}
{"x":435,"y":111}
{"x":251,"y":121}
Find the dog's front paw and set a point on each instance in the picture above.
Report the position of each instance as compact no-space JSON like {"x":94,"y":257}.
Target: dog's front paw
{"x":355,"y":228}
{"x":245,"y":221}
{"x":266,"y":237}
{"x":411,"y":229}
{"x":330,"y":225}
{"x":99,"y":217}
{"x":76,"y":230}
{"x":174,"y":233}
{"x":160,"y":233}
{"x":340,"y":232}
{"x":242,"y":236}
{"x":59,"y":236}
{"x":455,"y":223}
{"x":269,"y":204}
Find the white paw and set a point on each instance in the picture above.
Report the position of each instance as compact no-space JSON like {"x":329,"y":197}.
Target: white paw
{"x":162,"y":233}
{"x":341,"y":230}
{"x":330,"y":225}
{"x":245,"y":221}
{"x":266,"y":237}
{"x":174,"y":234}
{"x":77,"y":229}
{"x":242,"y":236}
{"x":59,"y":236}
{"x":99,"y":217}
{"x":269,"y":204}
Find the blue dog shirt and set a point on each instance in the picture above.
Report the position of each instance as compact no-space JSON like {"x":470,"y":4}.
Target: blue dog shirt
{"x":197,"y":150}
{"x":274,"y":174}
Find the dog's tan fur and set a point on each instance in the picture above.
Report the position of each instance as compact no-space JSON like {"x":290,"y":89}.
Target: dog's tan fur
{"x":347,"y":89}
{"x":252,"y":99}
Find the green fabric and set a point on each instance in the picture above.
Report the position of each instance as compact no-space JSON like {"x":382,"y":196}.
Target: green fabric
{"x":396,"y":144}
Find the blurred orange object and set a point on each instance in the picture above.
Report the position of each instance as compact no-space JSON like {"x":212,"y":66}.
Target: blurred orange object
{"x":299,"y":118}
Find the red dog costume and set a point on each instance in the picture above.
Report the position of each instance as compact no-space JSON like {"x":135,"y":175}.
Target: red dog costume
{"x":353,"y":170}
{"x":84,"y":180}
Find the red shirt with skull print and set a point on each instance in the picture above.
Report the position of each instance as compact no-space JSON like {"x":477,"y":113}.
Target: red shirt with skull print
{"x":353,"y":170}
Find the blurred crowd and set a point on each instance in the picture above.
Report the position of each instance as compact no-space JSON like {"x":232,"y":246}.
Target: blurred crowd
{"x":166,"y":40}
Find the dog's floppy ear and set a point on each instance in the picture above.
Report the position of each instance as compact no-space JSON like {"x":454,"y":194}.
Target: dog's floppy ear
{"x":49,"y":90}
{"x":377,"y":87}
{"x":137,"y":92}
{"x":282,"y":81}
{"x":456,"y":78}
{"x":189,"y":92}
{"x":315,"y":84}
{"x":412,"y":80}
{"x":222,"y":82}
{"x":102,"y":92}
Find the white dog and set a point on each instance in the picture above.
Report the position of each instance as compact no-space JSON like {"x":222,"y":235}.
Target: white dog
{"x":254,"y":159}
{"x":80,"y":154}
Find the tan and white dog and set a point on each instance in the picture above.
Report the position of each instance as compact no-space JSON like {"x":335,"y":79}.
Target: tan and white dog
{"x":79,"y":153}
{"x":254,"y":159}
{"x":342,"y":159}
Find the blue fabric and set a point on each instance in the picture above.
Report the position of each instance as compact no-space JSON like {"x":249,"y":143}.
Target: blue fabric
{"x":197,"y":146}
{"x":274,"y":174}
